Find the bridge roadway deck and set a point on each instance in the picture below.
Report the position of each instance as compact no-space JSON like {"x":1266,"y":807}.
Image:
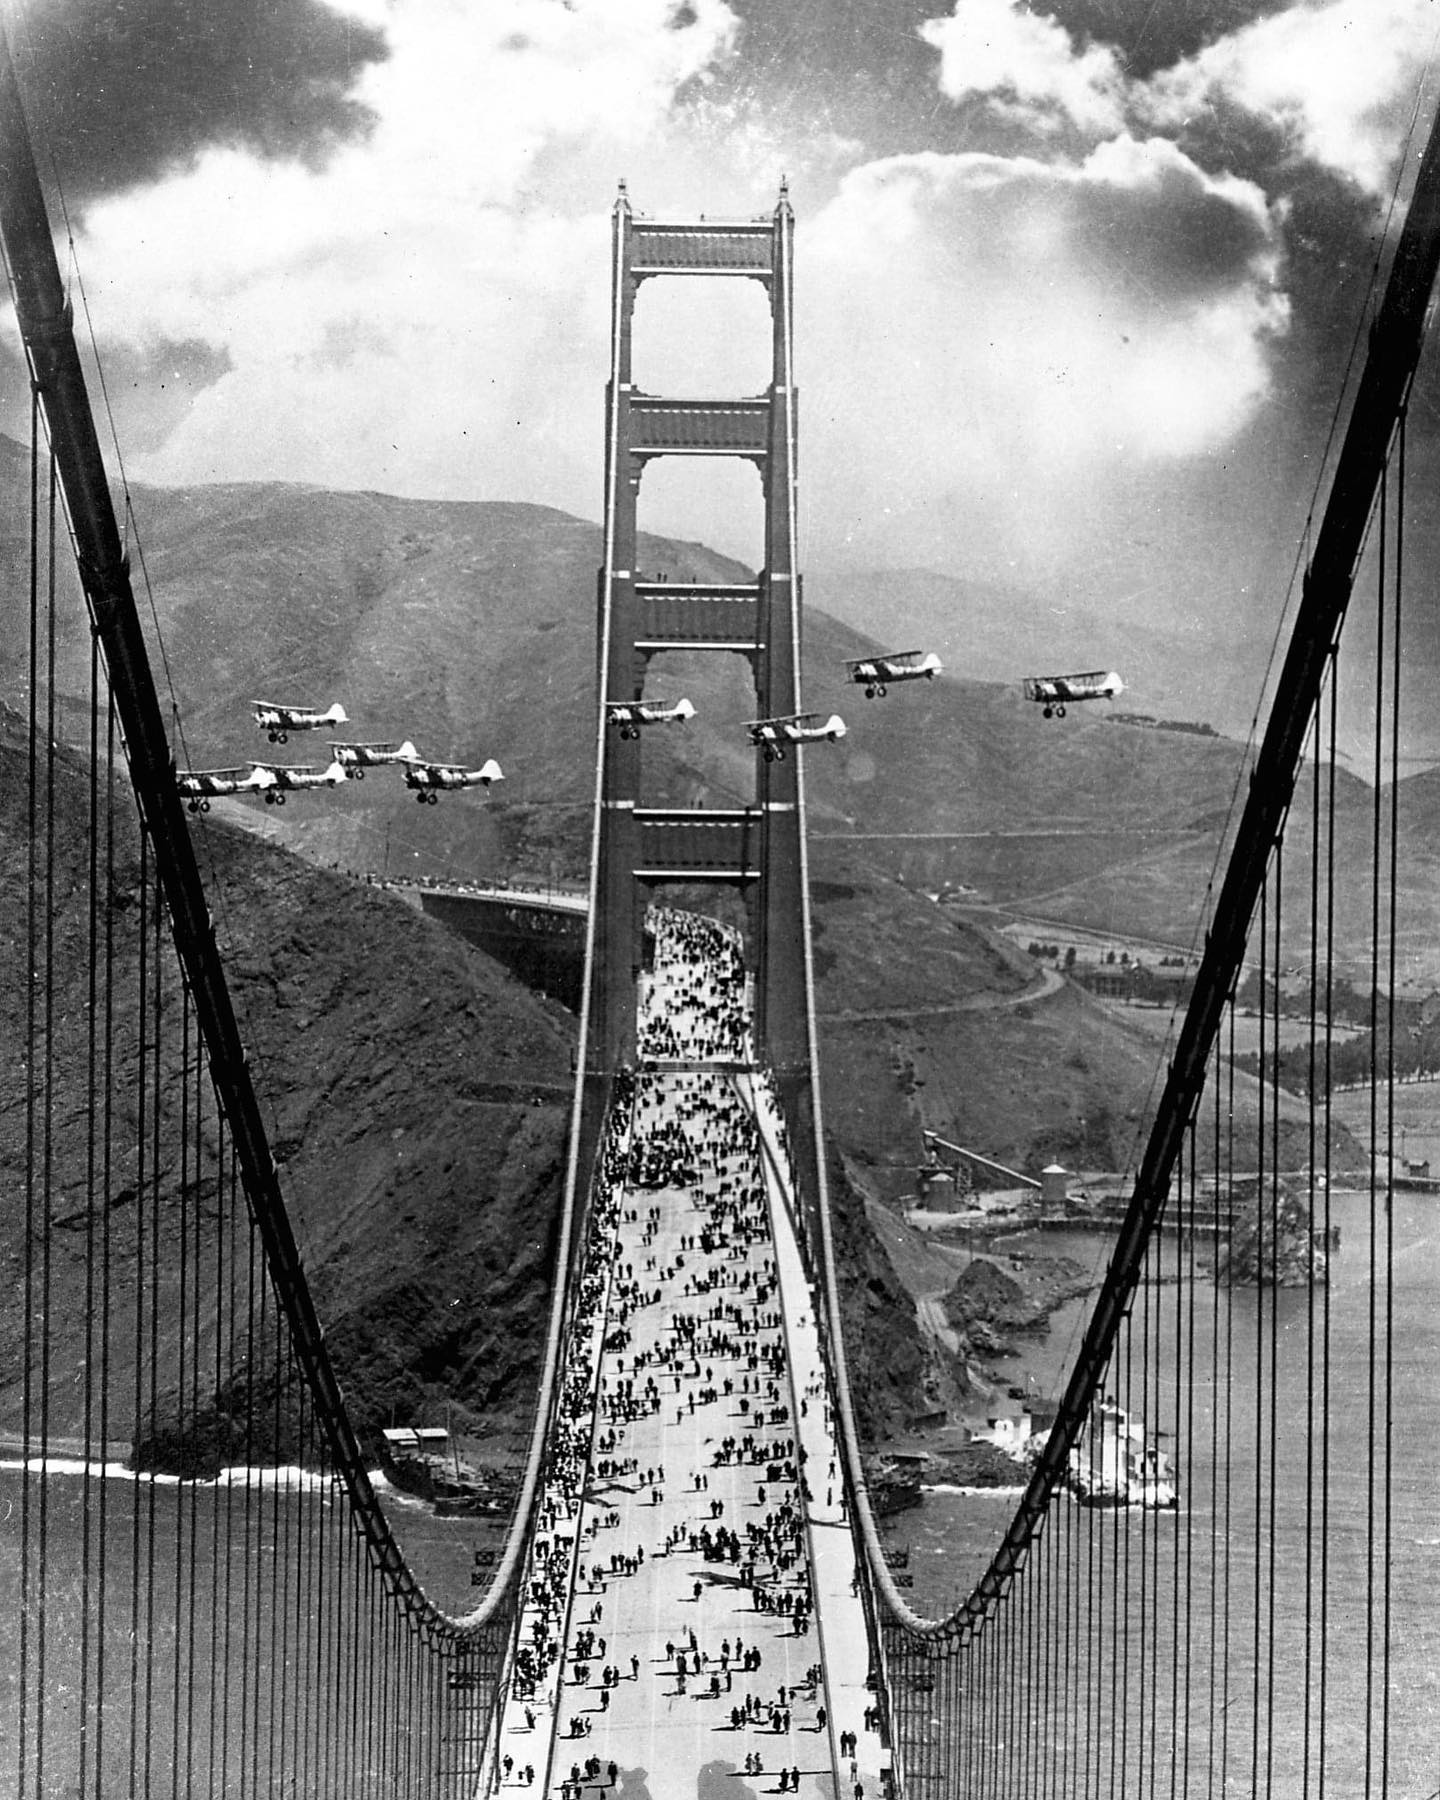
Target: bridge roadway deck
{"x":699,"y":1361}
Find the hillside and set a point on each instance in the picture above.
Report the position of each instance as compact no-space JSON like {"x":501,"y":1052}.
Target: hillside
{"x":987,"y":632}
{"x":402,"y":1069}
{"x":469,"y":628}
{"x":416,"y":1100}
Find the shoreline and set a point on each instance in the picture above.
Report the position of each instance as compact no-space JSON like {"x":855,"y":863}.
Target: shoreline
{"x":286,"y":1478}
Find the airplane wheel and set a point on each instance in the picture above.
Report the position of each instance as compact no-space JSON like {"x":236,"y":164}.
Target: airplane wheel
{"x":204,"y":806}
{"x":1059,"y":712}
{"x":769,"y":754}
{"x":881,"y":691}
{"x":279,"y":799}
{"x":420,"y":799}
{"x":357,"y":774}
{"x":1048,"y":713}
{"x":433,"y":799}
{"x":870,"y":692}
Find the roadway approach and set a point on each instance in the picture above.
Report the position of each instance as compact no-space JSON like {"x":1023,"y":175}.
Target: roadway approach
{"x":691,"y":1628}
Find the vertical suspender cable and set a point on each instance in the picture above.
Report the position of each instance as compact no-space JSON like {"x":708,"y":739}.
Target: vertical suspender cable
{"x":206,"y":1178}
{"x":1312,"y":1073}
{"x":107,"y":1197}
{"x":1145,"y":1416}
{"x":1376,"y":1039}
{"x":32,"y":934}
{"x":181,"y":1243}
{"x":1186,"y":1468}
{"x":1215,"y":1674}
{"x":222,"y":1558}
{"x":274,"y":1374}
{"x":1388,"y":1422}
{"x":1262,"y":1248}
{"x":154,"y":1188}
{"x":1270,"y":1075}
{"x":47,"y":1138}
{"x":1325,"y":1365}
{"x":92,"y":1547}
{"x":137,"y":1352}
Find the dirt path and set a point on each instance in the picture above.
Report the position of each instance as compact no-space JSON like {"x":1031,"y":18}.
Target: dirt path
{"x":1048,"y":981}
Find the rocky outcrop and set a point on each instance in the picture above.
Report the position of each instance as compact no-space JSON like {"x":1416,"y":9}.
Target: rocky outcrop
{"x":891,"y":1378}
{"x":1273,"y":1241}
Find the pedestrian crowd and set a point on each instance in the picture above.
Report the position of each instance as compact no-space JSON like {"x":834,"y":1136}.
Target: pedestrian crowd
{"x":676,"y":1337}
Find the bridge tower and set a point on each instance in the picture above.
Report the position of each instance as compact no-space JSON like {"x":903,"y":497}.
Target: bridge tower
{"x":755,"y":849}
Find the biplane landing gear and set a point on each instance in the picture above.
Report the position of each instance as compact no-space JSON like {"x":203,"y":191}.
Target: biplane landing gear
{"x":357,"y":774}
{"x":773,"y":753}
{"x":1059,"y":712}
{"x":279,"y":737}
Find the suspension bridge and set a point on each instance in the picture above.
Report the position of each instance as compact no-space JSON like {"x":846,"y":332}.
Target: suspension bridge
{"x":206,"y":1591}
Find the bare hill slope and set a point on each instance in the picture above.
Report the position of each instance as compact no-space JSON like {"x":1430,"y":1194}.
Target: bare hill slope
{"x":416,"y":1100}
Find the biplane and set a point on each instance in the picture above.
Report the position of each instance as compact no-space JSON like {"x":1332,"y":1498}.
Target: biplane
{"x":279,"y":721}
{"x":772,"y":735}
{"x":200,"y":786}
{"x":294,"y":778}
{"x":357,"y":758}
{"x":1056,"y":692}
{"x":431,"y":779}
{"x":877,"y":673}
{"x":630,"y":715}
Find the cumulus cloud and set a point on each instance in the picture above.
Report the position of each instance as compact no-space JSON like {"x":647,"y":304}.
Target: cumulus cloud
{"x":131,"y":89}
{"x":1103,"y":294}
{"x":409,"y":315}
{"x":412,"y":293}
{"x":1337,"y":78}
{"x":999,"y":48}
{"x":1011,"y":327}
{"x":1340,"y":78}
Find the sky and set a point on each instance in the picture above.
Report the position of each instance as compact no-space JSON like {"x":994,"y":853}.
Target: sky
{"x":1075,"y":282}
